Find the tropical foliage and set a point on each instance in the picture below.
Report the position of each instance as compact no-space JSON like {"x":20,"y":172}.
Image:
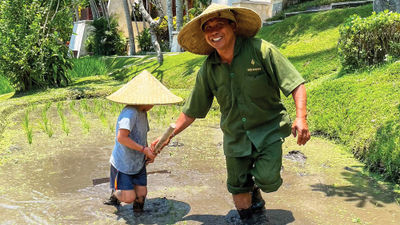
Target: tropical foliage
{"x":33,"y":36}
{"x":105,"y":39}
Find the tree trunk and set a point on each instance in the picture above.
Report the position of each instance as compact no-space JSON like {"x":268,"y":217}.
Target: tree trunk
{"x":391,"y":5}
{"x":170,"y":18}
{"x":153,"y":25}
{"x":93,"y":7}
{"x":76,"y":14}
{"x":130,"y":29}
{"x":187,"y":10}
{"x":156,"y":46}
{"x":179,"y":15}
{"x":134,"y":17}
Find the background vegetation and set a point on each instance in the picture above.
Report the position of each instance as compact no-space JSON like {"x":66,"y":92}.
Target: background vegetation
{"x":33,"y":36}
{"x":105,"y":38}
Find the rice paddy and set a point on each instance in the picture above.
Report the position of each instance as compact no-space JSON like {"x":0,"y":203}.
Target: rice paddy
{"x":72,"y":116}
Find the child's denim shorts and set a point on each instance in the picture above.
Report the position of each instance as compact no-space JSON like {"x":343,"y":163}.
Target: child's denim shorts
{"x":123,"y":181}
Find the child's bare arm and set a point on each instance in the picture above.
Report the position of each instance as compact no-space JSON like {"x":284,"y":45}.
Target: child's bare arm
{"x":124,"y":139}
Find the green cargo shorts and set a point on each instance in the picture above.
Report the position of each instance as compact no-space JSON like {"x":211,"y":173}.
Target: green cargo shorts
{"x":264,"y":165}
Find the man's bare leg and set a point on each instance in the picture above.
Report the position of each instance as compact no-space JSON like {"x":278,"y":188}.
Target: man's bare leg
{"x":243,"y":204}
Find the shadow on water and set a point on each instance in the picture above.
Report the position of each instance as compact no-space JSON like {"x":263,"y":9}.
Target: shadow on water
{"x":156,"y":211}
{"x":363,"y":190}
{"x":267,"y":217}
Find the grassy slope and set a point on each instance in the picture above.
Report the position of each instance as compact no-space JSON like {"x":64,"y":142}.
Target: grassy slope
{"x":360,"y":110}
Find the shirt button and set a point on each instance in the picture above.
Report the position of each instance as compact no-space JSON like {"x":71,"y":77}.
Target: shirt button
{"x":232,"y":74}
{"x":244,"y":119}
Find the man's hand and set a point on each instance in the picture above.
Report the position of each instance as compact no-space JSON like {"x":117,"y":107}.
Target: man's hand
{"x":154,"y":143}
{"x":300,"y":129}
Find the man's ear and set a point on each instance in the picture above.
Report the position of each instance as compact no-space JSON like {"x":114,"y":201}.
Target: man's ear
{"x":233,"y":25}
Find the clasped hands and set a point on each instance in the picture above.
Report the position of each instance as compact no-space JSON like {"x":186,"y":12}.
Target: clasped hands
{"x":151,"y":152}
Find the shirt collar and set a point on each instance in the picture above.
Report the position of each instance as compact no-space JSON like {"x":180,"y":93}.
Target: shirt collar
{"x":214,"y":57}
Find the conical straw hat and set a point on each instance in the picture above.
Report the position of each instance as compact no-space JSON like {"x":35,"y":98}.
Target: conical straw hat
{"x":191,"y":37}
{"x":144,"y":89}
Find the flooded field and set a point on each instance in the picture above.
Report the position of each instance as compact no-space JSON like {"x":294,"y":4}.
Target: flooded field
{"x":50,"y":180}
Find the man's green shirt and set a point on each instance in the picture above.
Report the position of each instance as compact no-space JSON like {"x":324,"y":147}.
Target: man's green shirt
{"x":248,"y":92}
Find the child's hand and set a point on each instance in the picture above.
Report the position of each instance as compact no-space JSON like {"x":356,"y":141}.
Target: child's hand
{"x":149,"y":154}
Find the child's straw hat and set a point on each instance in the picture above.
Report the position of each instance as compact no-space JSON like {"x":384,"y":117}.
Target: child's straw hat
{"x":144,"y":89}
{"x":191,"y":37}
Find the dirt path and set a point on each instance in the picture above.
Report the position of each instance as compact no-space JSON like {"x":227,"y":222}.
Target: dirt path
{"x":50,"y":182}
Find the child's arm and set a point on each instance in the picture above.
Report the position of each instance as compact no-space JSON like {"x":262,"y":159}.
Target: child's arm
{"x":124,"y":139}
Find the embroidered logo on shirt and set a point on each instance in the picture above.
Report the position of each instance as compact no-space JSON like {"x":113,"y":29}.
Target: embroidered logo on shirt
{"x":253,"y":69}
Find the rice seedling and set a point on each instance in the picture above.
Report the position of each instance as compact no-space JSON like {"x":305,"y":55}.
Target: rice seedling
{"x":98,"y":109}
{"x":46,"y":124}
{"x":81,"y":116}
{"x":116,"y":108}
{"x":64,"y":124}
{"x":72,"y":106}
{"x":84,"y":105}
{"x":27,"y":128}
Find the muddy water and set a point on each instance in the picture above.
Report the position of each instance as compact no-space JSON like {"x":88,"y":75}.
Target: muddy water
{"x":50,"y":181}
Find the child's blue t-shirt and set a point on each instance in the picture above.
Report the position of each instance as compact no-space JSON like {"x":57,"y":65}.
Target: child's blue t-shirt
{"x":124,"y":159}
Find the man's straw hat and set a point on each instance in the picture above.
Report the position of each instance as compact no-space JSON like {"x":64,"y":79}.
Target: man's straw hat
{"x":144,"y":89}
{"x":191,"y":37}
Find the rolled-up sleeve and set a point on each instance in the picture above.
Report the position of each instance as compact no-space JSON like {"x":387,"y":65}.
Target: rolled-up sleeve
{"x":286,"y":75}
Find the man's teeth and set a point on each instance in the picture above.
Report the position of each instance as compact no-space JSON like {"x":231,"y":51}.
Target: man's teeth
{"x":217,"y":39}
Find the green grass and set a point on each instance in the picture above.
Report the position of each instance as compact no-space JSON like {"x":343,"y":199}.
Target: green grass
{"x":88,"y":66}
{"x":310,"y":40}
{"x":177,"y":71}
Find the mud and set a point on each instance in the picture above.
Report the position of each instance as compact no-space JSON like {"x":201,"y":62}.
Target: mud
{"x":50,"y":181}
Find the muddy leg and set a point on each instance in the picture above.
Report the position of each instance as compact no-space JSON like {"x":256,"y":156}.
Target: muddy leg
{"x":243,"y":205}
{"x":112,"y":200}
{"x":141,"y":192}
{"x":257,"y":202}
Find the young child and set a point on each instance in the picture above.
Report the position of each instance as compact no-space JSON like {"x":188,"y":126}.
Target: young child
{"x":128,"y":178}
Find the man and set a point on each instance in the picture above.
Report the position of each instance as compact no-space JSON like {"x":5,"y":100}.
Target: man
{"x":246,"y":76}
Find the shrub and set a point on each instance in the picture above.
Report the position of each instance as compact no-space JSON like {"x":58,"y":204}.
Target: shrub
{"x":144,"y":40}
{"x":5,"y":86}
{"x":384,"y":154}
{"x":105,"y":39}
{"x":369,"y":41}
{"x":33,"y":34}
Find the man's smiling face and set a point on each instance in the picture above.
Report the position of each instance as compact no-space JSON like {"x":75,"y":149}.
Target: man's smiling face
{"x":219,"y":33}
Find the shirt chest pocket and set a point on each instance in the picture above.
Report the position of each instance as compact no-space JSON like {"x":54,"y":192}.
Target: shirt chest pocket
{"x":256,"y":85}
